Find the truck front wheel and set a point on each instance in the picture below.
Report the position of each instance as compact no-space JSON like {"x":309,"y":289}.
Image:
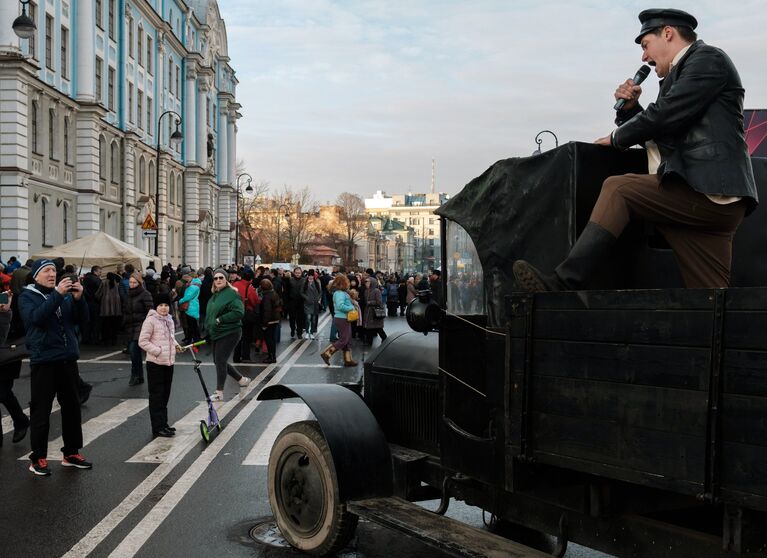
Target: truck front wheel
{"x":303,"y":491}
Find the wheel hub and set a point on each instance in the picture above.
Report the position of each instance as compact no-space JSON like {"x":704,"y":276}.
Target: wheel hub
{"x":302,"y":492}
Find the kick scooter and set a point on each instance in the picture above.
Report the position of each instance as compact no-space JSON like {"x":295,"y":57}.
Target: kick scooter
{"x":212,"y":421}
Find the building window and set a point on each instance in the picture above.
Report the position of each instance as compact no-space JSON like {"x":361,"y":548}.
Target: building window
{"x":149,"y":126}
{"x":115,"y":174}
{"x":179,"y":191}
{"x":64,"y":52}
{"x":207,"y":110}
{"x":51,"y":133}
{"x":65,"y":219}
{"x":102,"y":158}
{"x":140,"y":47}
{"x":152,"y":178}
{"x":112,"y":19}
{"x":178,"y":81}
{"x":130,"y":103}
{"x":48,"y":42}
{"x":44,"y":219}
{"x":149,"y":55}
{"x":66,"y":140}
{"x":33,"y":38}
{"x":140,"y":110}
{"x":142,"y":176}
{"x":111,"y":88}
{"x":130,"y":37}
{"x":35,"y":129}
{"x":99,"y":15}
{"x":170,"y":75}
{"x":171,"y":189}
{"x":99,"y":70}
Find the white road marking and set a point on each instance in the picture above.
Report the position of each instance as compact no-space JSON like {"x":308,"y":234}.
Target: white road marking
{"x":132,"y":543}
{"x":102,"y":530}
{"x":8,"y":421}
{"x":99,"y":425}
{"x":167,"y":450}
{"x":288,"y":413}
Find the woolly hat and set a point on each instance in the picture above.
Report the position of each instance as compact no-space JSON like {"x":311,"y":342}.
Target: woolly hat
{"x":38,"y":265}
{"x":222,"y":271}
{"x":161,"y":298}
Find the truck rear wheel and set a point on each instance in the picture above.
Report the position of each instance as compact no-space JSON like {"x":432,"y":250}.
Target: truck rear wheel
{"x":303,"y":491}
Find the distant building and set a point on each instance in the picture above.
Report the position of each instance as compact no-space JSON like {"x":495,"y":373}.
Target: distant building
{"x":81,"y":101}
{"x":388,"y":246}
{"x":417,"y":212}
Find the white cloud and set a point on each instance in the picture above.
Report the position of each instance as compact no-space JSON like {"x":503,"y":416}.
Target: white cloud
{"x":360,"y":95}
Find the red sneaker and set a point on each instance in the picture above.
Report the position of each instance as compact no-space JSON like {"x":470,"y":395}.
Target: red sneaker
{"x":40,"y":467}
{"x":76,"y":460}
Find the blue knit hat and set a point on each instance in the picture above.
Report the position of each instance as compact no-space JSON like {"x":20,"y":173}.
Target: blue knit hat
{"x":40,"y":264}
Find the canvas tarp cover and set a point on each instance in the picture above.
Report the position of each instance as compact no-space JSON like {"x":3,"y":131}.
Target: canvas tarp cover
{"x":534,"y":207}
{"x":97,"y":249}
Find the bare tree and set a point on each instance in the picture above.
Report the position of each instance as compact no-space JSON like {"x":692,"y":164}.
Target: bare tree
{"x":251,"y":206}
{"x":354,"y":221}
{"x":302,"y":210}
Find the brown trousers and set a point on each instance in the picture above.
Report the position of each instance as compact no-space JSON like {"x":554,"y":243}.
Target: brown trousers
{"x":699,"y":231}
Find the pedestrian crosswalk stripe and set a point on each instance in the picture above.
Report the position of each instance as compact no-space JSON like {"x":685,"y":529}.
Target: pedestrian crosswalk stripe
{"x":167,"y":450}
{"x":288,"y":413}
{"x":8,"y":421}
{"x":99,"y":425}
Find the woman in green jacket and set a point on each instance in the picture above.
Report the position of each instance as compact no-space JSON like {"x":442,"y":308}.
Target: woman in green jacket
{"x":223,"y":322}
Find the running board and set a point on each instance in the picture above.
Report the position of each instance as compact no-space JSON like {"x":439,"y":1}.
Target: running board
{"x":443,"y":533}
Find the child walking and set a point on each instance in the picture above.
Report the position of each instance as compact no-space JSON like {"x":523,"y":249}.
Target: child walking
{"x":158,"y":339}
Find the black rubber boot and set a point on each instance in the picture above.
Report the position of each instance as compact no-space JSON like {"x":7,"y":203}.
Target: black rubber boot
{"x":588,"y":252}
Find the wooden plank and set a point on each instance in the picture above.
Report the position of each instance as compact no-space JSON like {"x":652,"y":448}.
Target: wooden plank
{"x":440,"y":532}
{"x":641,"y":407}
{"x":664,"y":366}
{"x":744,"y":468}
{"x":749,"y":299}
{"x":745,"y":372}
{"x":670,"y":455}
{"x":635,"y":299}
{"x":655,"y":327}
{"x":744,"y":420}
{"x":746,"y":330}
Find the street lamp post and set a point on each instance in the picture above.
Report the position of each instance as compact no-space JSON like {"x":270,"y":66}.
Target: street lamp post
{"x":539,"y":141}
{"x":175,"y":139}
{"x":279,"y":215}
{"x":23,"y":25}
{"x":248,"y":189}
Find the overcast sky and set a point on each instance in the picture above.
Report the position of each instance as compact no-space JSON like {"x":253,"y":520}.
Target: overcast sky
{"x":360,"y":95}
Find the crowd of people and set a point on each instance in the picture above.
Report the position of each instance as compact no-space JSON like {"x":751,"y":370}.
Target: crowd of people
{"x":47,"y":309}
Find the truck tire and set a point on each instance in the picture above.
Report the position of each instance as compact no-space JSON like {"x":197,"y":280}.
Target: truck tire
{"x":303,"y":491}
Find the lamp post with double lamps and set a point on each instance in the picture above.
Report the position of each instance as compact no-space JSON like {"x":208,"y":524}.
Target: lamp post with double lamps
{"x":23,"y":25}
{"x":279,"y":216}
{"x":248,"y":189}
{"x":175,"y":139}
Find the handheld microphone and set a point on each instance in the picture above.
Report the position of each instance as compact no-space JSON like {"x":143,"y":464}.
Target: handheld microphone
{"x":639,"y":77}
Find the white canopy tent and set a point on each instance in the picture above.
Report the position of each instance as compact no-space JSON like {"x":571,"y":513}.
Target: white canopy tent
{"x":97,"y":249}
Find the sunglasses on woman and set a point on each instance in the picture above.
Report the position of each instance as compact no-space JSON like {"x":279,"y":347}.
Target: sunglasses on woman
{"x":219,"y":278}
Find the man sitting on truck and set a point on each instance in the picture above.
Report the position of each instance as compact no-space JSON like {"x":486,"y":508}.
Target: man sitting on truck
{"x":700,"y":183}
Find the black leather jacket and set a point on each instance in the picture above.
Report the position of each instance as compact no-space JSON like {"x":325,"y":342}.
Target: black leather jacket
{"x":697,"y":123}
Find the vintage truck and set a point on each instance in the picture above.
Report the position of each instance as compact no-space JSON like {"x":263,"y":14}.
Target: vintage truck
{"x":630,"y":417}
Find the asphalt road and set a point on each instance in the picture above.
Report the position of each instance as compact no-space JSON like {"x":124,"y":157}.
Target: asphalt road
{"x":180,"y":496}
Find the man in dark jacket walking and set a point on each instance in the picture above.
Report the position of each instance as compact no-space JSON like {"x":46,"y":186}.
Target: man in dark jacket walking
{"x":51,"y":314}
{"x":700,"y":183}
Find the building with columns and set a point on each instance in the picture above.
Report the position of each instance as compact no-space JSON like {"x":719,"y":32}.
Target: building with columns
{"x":81,"y":101}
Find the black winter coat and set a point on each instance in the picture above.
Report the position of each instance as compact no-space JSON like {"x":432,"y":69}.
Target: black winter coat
{"x":136,"y":305}
{"x":697,"y":123}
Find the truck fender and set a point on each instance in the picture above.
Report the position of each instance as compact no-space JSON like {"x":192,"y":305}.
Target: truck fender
{"x":361,"y":455}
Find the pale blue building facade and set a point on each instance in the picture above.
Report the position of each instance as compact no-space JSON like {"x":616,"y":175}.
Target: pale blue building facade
{"x":82,"y":99}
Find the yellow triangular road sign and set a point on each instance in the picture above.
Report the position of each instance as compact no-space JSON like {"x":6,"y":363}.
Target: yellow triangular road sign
{"x":148,"y":223}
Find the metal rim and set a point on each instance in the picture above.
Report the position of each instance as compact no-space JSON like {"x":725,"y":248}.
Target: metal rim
{"x":300,"y":490}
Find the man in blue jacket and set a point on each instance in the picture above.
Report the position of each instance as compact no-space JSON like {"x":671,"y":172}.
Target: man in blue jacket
{"x":50,"y":313}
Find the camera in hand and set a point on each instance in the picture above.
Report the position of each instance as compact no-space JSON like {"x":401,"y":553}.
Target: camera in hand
{"x":72,"y":277}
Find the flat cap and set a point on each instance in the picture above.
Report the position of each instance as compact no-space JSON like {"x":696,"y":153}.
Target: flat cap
{"x":660,"y":17}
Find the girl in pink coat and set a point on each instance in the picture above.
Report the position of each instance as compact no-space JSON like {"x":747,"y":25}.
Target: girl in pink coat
{"x":158,"y":339}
